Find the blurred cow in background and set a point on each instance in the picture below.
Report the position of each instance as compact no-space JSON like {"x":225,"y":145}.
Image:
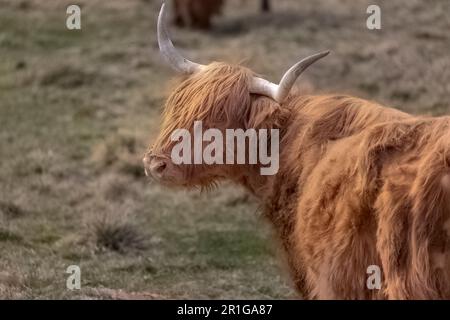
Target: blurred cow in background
{"x":197,"y":14}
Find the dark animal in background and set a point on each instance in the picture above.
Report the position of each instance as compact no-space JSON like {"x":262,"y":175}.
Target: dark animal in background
{"x":265,"y":5}
{"x":197,"y":14}
{"x":359,"y":184}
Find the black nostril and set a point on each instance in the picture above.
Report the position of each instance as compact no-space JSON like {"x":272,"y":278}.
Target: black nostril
{"x":157,"y":167}
{"x":161,"y":167}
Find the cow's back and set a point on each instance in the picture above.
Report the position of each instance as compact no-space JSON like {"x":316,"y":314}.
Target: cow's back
{"x":366,"y":191}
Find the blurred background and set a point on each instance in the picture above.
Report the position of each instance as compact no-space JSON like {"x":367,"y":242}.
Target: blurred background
{"x":79,"y":107}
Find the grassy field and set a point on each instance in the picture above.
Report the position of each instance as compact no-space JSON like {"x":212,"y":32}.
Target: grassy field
{"x":78,"y":108}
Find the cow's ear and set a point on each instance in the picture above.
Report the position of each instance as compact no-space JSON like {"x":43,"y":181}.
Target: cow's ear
{"x":264,"y":113}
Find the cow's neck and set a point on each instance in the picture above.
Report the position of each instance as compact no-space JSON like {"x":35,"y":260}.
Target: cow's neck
{"x":278,"y":192}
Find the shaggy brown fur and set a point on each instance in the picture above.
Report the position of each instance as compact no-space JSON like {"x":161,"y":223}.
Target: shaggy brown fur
{"x":359,"y":184}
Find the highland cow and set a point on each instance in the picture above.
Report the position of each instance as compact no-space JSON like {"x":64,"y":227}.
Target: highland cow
{"x":359,"y":184}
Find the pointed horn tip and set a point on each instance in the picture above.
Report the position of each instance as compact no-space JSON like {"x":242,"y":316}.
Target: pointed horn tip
{"x":162,"y":12}
{"x":324,"y":53}
{"x":316,"y":57}
{"x":320,"y":55}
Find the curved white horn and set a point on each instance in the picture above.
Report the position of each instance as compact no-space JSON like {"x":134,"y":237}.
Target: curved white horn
{"x":280,"y":92}
{"x":175,"y":59}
